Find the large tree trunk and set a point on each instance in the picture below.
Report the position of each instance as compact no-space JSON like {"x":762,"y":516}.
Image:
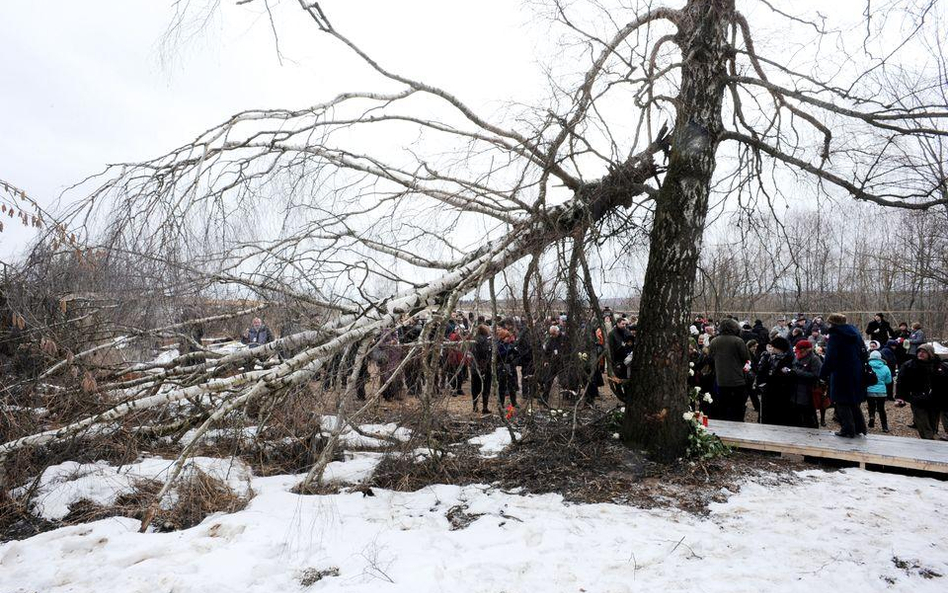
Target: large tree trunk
{"x":658,"y":387}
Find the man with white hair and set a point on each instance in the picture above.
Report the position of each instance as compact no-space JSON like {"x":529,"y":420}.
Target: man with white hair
{"x":257,"y":335}
{"x":554,"y":352}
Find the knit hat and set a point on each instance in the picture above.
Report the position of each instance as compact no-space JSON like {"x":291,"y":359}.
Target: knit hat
{"x":803,"y":344}
{"x":836,"y":319}
{"x":781,"y":343}
{"x":875,"y":355}
{"x":928,"y":348}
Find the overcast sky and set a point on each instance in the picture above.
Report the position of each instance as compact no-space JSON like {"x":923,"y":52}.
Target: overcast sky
{"x":90,"y":83}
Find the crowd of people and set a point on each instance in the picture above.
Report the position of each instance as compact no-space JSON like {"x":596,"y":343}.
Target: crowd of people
{"x":800,"y":368}
{"x":792,"y":373}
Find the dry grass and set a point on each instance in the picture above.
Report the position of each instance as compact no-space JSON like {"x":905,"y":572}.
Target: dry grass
{"x":594,"y":468}
{"x":197,"y":496}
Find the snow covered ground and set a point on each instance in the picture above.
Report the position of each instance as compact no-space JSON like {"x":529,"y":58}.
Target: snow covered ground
{"x":845,"y":531}
{"x":351,"y":438}
{"x":491,"y":444}
{"x":101,"y":483}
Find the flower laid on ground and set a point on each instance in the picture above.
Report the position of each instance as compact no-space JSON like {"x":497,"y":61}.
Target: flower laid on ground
{"x":691,"y":372}
{"x":510,"y":412}
{"x":702,"y":443}
{"x":615,"y":435}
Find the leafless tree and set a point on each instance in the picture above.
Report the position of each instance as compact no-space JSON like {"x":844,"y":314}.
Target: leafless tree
{"x":675,"y":105}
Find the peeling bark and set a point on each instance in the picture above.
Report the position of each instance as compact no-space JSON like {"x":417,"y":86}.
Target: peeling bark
{"x":658,"y":386}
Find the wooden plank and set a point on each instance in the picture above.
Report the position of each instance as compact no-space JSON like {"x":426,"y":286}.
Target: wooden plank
{"x":891,"y":451}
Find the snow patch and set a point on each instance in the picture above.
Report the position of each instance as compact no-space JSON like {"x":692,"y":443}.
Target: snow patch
{"x":493,"y":443}
{"x":351,"y":438}
{"x":66,"y":483}
{"x":354,"y":469}
{"x":244,"y":435}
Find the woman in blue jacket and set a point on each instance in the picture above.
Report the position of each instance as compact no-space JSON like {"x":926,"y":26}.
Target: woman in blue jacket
{"x":876,"y":394}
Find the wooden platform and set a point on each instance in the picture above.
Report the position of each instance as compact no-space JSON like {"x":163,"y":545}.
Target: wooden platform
{"x":916,"y":454}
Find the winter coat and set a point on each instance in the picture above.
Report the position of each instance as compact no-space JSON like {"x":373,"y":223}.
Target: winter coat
{"x":507,"y":366}
{"x":525,"y":354}
{"x":554,"y":349}
{"x":258,"y":336}
{"x":806,"y":374}
{"x":916,"y":339}
{"x":884,"y":378}
{"x":482,"y":353}
{"x":455,"y":354}
{"x":620,"y":345}
{"x":880,"y":331}
{"x":778,"y":385}
{"x":924,"y":384}
{"x":763,"y":336}
{"x":794,"y":338}
{"x":730,"y":355}
{"x":842,"y":367}
{"x":890,"y":355}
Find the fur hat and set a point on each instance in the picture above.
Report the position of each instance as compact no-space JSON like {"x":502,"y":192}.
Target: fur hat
{"x":781,"y":343}
{"x":836,"y":319}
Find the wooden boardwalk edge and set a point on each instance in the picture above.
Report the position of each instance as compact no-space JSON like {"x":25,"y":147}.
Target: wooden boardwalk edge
{"x":901,"y":452}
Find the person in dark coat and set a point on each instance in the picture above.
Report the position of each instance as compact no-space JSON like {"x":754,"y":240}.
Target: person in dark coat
{"x":806,"y":375}
{"x":257,"y":334}
{"x":747,"y":334}
{"x":524,"y":346}
{"x":923,"y":382}
{"x":776,"y":383}
{"x":842,"y":368}
{"x":879,"y":329}
{"x":621,"y":343}
{"x":763,"y":336}
{"x":751,"y":376}
{"x":480,"y":369}
{"x":903,"y":332}
{"x":408,"y":334}
{"x":390,"y":355}
{"x":506,"y":367}
{"x":731,"y":360}
{"x":890,"y":355}
{"x":555,"y":350}
{"x":796,"y":335}
{"x":455,"y":369}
